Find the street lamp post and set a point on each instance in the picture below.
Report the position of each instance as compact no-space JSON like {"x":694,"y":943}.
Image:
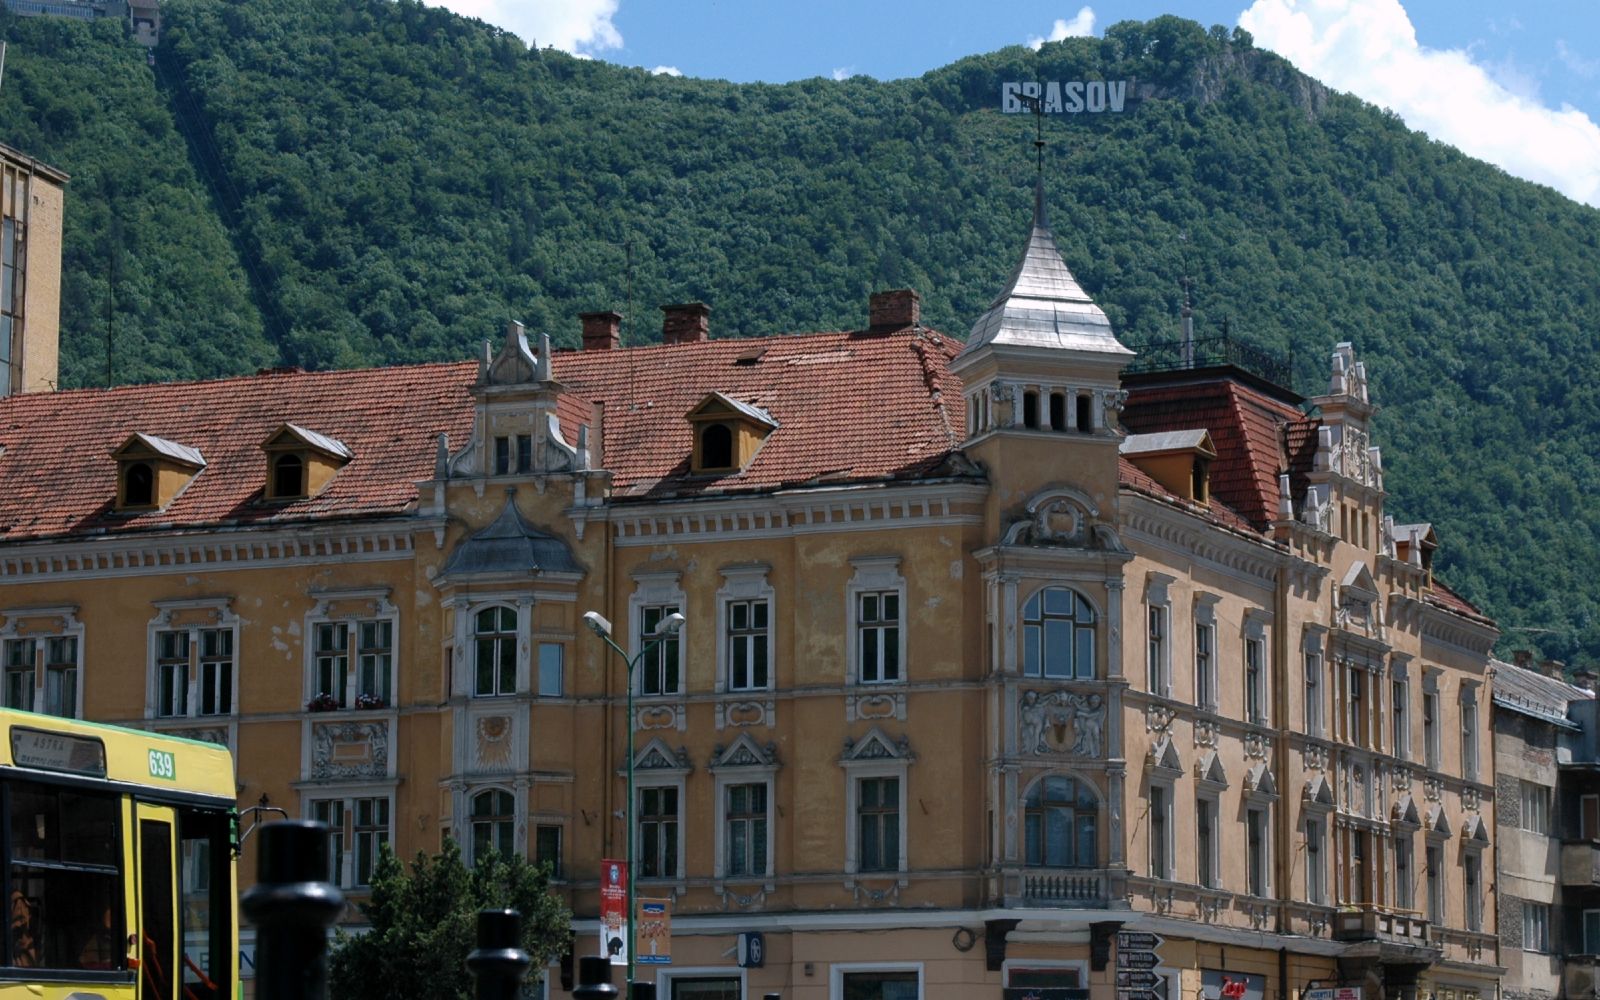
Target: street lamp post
{"x":670,"y":626}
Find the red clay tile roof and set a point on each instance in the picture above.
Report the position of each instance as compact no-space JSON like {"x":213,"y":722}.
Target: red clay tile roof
{"x":851,"y":407}
{"x":1448,"y":599}
{"x":59,"y":476}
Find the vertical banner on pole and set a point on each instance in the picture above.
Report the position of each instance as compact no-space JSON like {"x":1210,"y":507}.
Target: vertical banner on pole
{"x":613,"y":911}
{"x":655,"y":932}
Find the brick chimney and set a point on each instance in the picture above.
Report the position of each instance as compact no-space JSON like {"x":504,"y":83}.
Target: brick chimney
{"x":1523,"y":658}
{"x":1584,"y":678}
{"x":895,"y":309}
{"x":687,"y":323}
{"x":602,"y":331}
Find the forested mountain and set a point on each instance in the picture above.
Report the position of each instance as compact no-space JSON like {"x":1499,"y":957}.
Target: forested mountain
{"x":354,"y":182}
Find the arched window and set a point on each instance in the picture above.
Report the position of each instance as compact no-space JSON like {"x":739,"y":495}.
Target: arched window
{"x":139,"y":486}
{"x":1057,"y":634}
{"x":716,"y":447}
{"x":493,"y":823}
{"x":1062,"y":819}
{"x":494,"y":634}
{"x":288,"y":476}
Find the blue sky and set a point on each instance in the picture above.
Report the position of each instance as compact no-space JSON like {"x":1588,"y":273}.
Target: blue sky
{"x":1517,"y":85}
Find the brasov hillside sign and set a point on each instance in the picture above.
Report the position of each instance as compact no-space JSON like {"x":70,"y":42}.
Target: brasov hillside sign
{"x":1064,"y":97}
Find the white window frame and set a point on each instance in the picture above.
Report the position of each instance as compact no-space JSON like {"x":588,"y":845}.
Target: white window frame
{"x":657,"y":590}
{"x":873,"y":767}
{"x":347,"y":795}
{"x":1432,"y":724}
{"x":874,"y":574}
{"x":1316,"y":834}
{"x":1255,"y":637}
{"x":665,"y":976}
{"x":223,"y":619}
{"x":639,"y":788}
{"x":1434,"y":880}
{"x":1315,"y":678}
{"x":1535,"y":799}
{"x":1532,"y":939}
{"x":1161,"y":840}
{"x":1400,"y":709}
{"x":1467,"y":705}
{"x":838,"y":970}
{"x":1472,"y":900}
{"x":520,"y":650}
{"x":747,"y":582}
{"x":65,"y":626}
{"x":352,"y":609}
{"x":1158,"y":635}
{"x":1214,"y":859}
{"x":560,"y":650}
{"x":1264,"y":862}
{"x":1405,"y":892}
{"x":519,"y":819}
{"x":726,"y":777}
{"x":1205,"y":669}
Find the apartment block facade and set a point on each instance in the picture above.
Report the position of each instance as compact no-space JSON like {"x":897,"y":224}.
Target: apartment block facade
{"x":1004,"y":669}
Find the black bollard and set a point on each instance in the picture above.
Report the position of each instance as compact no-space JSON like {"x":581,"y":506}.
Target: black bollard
{"x":292,"y":904}
{"x":594,"y":979}
{"x":498,"y":963}
{"x":642,"y":991}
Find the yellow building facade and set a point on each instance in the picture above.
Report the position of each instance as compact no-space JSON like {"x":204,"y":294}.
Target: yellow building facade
{"x":1003,"y":669}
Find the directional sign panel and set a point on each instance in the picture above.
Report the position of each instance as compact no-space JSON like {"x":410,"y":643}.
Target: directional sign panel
{"x":1137,"y":960}
{"x":1138,"y":941}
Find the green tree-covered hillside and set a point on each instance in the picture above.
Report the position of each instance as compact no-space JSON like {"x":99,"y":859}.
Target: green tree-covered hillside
{"x":353,"y":182}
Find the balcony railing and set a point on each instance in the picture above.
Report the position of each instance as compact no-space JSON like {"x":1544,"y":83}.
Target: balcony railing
{"x":1580,"y":863}
{"x":1077,"y":888}
{"x":1371,"y":923}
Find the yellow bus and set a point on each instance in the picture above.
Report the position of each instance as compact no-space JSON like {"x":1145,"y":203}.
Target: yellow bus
{"x":118,"y":863}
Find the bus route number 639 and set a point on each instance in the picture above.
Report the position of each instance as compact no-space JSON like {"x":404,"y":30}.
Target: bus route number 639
{"x":162,"y":765}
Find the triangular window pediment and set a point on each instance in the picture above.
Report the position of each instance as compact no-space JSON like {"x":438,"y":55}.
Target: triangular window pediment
{"x":658,"y":758}
{"x":293,"y":437}
{"x":1405,"y":812}
{"x":1260,"y":783}
{"x":1318,"y":793}
{"x":1163,"y":756}
{"x":745,"y":753}
{"x":1358,"y":582}
{"x":1208,"y":770}
{"x":1474,"y":832}
{"x":1438,"y":822}
{"x":876,"y":747}
{"x":716,"y":405}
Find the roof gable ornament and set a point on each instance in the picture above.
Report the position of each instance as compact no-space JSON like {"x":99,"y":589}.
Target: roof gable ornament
{"x":515,"y":363}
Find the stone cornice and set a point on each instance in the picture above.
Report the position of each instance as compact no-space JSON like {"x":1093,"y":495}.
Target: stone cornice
{"x":1147,"y":522}
{"x":1458,"y":632}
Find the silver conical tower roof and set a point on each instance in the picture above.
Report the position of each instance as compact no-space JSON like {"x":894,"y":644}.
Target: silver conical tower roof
{"x":1043,"y":305}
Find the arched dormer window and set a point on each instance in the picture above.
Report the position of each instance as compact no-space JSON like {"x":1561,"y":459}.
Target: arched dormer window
{"x":494,"y":823}
{"x":1058,"y":634}
{"x":139,"y":485}
{"x":288,"y":477}
{"x":494,"y":651}
{"x":1061,"y":823}
{"x":716,"y":447}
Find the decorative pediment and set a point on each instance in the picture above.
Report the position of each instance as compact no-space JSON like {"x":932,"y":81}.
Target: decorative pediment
{"x":1438,"y":823}
{"x":1163,"y":756}
{"x":1208,"y":770}
{"x":875,"y":747}
{"x":1404,"y":812}
{"x":744,"y":752}
{"x":658,"y":758}
{"x":1063,"y":516}
{"x":1317,"y":792}
{"x":1474,"y":832}
{"x":515,"y":363}
{"x":1260,"y":782}
{"x":1358,"y":582}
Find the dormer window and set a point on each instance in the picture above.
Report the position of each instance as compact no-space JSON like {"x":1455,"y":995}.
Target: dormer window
{"x":727,"y":433}
{"x":301,"y":462}
{"x":1179,"y":460}
{"x":151,"y":471}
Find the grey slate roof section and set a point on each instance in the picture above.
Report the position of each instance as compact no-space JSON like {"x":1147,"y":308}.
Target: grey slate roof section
{"x":510,"y":546}
{"x":1535,"y":695}
{"x":172,"y":449}
{"x":1144,"y":444}
{"x":322,"y":442}
{"x":1043,"y":305}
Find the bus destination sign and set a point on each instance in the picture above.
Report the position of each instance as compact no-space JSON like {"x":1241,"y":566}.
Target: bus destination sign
{"x":58,"y":752}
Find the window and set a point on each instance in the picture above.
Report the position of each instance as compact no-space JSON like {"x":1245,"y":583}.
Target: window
{"x":502,"y":455}
{"x":1156,"y":673}
{"x":194,"y":669}
{"x":1205,"y":665}
{"x":1030,"y":408}
{"x":1589,"y":817}
{"x":288,"y":477}
{"x":747,"y":646}
{"x":1473,"y":879}
{"x":878,"y":824}
{"x":1057,"y":634}
{"x":1400,"y":706}
{"x":716,"y":447}
{"x":1061,"y":820}
{"x":139,"y":485}
{"x":659,"y":670}
{"x":550,"y":670}
{"x":1430,"y":729}
{"x":705,"y":987}
{"x":1255,"y":823}
{"x":216,"y":672}
{"x":493,"y":823}
{"x":172,"y":673}
{"x":20,"y":673}
{"x":1160,"y":831}
{"x":1360,"y":866}
{"x":1536,"y":926}
{"x":375,"y":663}
{"x":1314,"y":696}
{"x":1535,"y":807}
{"x":1206,"y":860}
{"x":547,"y":848}
{"x":64,"y":877}
{"x":333,"y":660}
{"x":1255,"y":680}
{"x":524,"y":452}
{"x":1356,"y":720}
{"x":658,"y":832}
{"x":495,"y":639}
{"x":1435,"y":864}
{"x":360,"y":829}
{"x":1404,"y":895}
{"x":1591,"y":932}
{"x":746,"y":831}
{"x":1316,"y":863}
{"x":1469,"y":740}
{"x":878,"y":636}
{"x":373,"y":656}
{"x":900,"y":984}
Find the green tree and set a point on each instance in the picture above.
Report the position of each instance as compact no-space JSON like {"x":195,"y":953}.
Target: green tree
{"x":423,"y":924}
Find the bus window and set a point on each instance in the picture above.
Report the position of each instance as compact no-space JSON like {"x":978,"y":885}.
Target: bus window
{"x":63,"y":889}
{"x":155,"y":909}
{"x":205,"y":879}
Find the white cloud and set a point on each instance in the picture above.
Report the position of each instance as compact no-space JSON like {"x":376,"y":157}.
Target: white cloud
{"x":1081,"y":26}
{"x":667,"y":71}
{"x":844,"y":72}
{"x":582,"y":27}
{"x":1369,"y":47}
{"x":1586,"y":68}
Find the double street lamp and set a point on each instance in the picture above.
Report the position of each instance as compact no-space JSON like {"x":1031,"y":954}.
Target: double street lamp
{"x":669,"y":627}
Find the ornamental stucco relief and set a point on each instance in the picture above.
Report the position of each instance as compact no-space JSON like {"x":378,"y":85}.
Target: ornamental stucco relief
{"x":1045,"y":718}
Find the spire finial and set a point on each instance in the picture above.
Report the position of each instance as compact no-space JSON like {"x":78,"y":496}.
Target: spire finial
{"x":1035,"y":103}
